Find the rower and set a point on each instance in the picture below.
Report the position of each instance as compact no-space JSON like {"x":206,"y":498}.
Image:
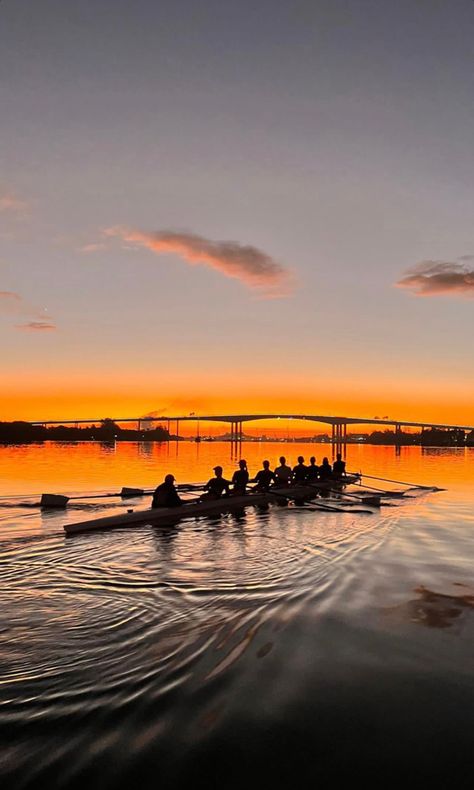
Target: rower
{"x":240,"y":479}
{"x":339,"y":467}
{"x":283,"y":474}
{"x":264,"y":478}
{"x":325,"y":470}
{"x":166,"y":494}
{"x":217,"y":486}
{"x":312,"y":471}
{"x":300,"y":471}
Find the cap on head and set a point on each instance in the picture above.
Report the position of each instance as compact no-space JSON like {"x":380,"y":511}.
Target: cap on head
{"x":169,"y":479}
{"x":218,"y":469}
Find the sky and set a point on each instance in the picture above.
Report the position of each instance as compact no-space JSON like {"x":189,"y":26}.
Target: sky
{"x":255,"y":206}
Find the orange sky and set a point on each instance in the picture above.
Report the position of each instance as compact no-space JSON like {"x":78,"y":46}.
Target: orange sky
{"x":223,"y":228}
{"x":84,"y":394}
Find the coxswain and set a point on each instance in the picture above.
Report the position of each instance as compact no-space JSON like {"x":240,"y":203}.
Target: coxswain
{"x":312,"y":471}
{"x":264,"y":478}
{"x":325,"y":470}
{"x":300,"y":471}
{"x":240,"y":479}
{"x":217,"y":486}
{"x":339,"y":467}
{"x":283,"y":474}
{"x":166,"y":494}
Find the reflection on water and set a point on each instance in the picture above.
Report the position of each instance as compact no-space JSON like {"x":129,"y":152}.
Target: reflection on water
{"x":248,"y":647}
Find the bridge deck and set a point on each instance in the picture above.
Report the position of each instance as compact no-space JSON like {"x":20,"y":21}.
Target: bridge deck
{"x":240,"y":418}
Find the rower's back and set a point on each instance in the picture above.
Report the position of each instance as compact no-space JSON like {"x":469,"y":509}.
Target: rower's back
{"x":339,"y":467}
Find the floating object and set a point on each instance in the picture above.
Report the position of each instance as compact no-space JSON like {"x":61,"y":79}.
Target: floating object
{"x":53,"y":500}
{"x":131,"y":492}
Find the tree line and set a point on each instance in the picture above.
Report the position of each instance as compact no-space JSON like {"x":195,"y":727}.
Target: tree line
{"x":106,"y":431}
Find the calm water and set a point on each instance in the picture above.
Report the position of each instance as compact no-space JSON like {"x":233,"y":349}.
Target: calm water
{"x":258,"y":647}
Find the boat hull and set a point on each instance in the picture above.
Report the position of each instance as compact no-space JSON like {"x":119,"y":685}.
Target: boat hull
{"x":171,"y":515}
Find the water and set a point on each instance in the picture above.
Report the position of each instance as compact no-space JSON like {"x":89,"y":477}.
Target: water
{"x":262,"y":646}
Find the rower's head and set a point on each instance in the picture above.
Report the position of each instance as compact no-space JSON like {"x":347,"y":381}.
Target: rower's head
{"x":218,"y":470}
{"x":325,"y":462}
{"x":266,"y":464}
{"x":243,"y":464}
{"x":338,"y":456}
{"x":312,"y":460}
{"x":300,"y":459}
{"x":169,"y":479}
{"x":282,"y":460}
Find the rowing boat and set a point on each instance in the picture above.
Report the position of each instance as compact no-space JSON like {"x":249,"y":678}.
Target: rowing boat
{"x":170,"y":515}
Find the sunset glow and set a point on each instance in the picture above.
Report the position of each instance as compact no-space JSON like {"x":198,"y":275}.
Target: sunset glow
{"x":236,"y":235}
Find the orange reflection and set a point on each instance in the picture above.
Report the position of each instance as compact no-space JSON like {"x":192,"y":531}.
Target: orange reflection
{"x":74,"y":467}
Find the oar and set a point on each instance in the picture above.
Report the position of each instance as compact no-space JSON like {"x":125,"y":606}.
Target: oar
{"x":369,"y":500}
{"x":61,"y":500}
{"x":383,"y":491}
{"x":401,"y":483}
{"x":141,"y":492}
{"x":317,"y":506}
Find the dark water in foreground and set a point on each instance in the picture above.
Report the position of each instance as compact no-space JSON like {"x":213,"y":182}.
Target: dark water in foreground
{"x":251,"y":648}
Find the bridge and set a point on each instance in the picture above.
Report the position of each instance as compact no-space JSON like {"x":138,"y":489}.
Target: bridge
{"x":236,"y":421}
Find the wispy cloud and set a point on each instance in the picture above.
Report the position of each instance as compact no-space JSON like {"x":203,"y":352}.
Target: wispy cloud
{"x":36,"y":326}
{"x":88,"y":248}
{"x":8,"y":296}
{"x":10,"y":203}
{"x":251,"y":266}
{"x":440,"y":278}
{"x":36,"y":318}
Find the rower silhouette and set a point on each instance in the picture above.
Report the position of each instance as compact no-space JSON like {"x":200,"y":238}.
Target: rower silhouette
{"x":217,"y":486}
{"x":166,"y":495}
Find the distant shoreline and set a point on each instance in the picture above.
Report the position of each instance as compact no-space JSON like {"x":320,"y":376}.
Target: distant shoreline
{"x":110,"y":433}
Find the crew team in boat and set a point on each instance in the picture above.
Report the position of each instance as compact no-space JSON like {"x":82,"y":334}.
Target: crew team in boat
{"x":166,"y":494}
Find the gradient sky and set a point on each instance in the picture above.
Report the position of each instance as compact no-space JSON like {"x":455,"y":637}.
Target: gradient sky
{"x":335,"y":137}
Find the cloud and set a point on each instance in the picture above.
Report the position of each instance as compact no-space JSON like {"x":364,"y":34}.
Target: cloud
{"x":37,"y":326}
{"x":440,"y":278}
{"x":88,"y":248}
{"x":12,"y":303}
{"x":251,"y":266}
{"x":9,"y":295}
{"x":9,"y":202}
